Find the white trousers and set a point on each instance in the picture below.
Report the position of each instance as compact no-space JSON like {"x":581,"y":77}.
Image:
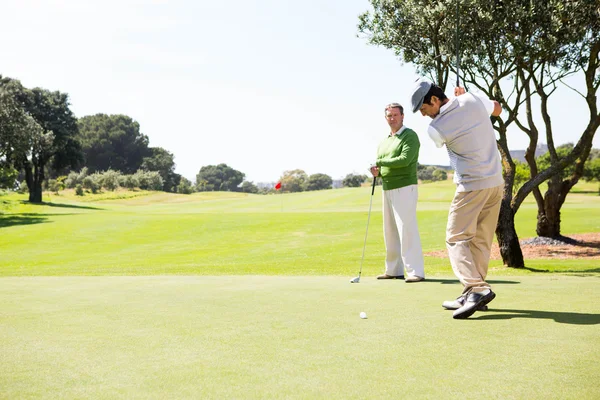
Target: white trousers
{"x":401,"y":232}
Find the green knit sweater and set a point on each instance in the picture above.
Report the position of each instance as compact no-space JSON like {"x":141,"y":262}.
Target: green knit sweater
{"x":397,"y":157}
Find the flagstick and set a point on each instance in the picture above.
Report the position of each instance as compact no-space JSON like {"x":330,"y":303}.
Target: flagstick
{"x":279,"y":187}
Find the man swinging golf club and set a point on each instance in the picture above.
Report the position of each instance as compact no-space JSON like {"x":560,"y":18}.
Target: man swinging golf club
{"x":463,"y":125}
{"x":397,"y":157}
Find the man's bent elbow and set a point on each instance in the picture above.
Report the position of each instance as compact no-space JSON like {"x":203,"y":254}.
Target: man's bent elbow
{"x":497,"y":109}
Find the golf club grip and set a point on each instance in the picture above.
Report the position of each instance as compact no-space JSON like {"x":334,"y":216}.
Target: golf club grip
{"x":373,"y":189}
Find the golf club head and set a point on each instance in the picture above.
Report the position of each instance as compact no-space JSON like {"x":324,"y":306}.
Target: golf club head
{"x":355,"y":280}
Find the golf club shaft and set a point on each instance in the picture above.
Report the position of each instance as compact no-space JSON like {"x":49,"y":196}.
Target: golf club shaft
{"x":367,"y":231}
{"x":457,"y":44}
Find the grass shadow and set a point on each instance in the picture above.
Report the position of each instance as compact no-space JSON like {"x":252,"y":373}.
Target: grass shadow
{"x":574,"y":272}
{"x":572,"y":318}
{"x":586,"y":192}
{"x":455,"y":281}
{"x":12,"y":220}
{"x":61,"y":205}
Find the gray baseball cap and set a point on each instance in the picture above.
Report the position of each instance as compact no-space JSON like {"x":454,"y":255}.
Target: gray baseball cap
{"x":422,"y":86}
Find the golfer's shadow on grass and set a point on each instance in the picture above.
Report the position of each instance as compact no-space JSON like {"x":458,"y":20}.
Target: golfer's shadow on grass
{"x":560,"y":317}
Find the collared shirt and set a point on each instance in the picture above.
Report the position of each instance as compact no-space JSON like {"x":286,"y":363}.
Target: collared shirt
{"x":435,"y":135}
{"x":399,"y":131}
{"x":402,"y":129}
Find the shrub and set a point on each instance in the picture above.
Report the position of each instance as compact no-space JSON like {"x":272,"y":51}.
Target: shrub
{"x":79,"y":190}
{"x":22,"y":187}
{"x":155,"y":180}
{"x":110,"y":180}
{"x":129,"y":181}
{"x":91,"y":183}
{"x":54,"y":185}
{"x":8,"y":176}
{"x":440,"y":175}
{"x":185,"y":186}
{"x":249,"y":187}
{"x":430,"y":173}
{"x":149,"y":180}
{"x":76,"y":178}
{"x":71,"y":181}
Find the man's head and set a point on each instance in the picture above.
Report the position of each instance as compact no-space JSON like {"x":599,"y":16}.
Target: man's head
{"x":394,"y":115}
{"x":428,"y":98}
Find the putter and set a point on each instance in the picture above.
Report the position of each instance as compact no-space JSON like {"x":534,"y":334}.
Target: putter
{"x":357,"y":279}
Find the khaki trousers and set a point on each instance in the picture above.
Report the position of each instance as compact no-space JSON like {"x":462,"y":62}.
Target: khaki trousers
{"x":401,"y":232}
{"x":472,"y":221}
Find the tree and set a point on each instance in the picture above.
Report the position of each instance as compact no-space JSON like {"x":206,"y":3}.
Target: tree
{"x":294,"y":180}
{"x":318,"y":182}
{"x":53,"y":142}
{"x":353,"y":180}
{"x":522,"y":47}
{"x":425,"y":173}
{"x":8,"y":175}
{"x":576,"y":28}
{"x":185,"y":186}
{"x":113,"y":142}
{"x":163,"y":162}
{"x":521,"y":175}
{"x":220,"y":177}
{"x":249,"y":187}
{"x":592,"y":172}
{"x":430,"y":173}
{"x":439,"y":175}
{"x":15,"y":131}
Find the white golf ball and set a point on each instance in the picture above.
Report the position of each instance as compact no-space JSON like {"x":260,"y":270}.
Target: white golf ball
{"x":363,"y":315}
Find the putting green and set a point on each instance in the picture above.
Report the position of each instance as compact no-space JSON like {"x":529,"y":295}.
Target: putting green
{"x":295,"y":337}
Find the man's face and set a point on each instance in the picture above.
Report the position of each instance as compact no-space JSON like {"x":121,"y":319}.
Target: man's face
{"x":394,"y":118}
{"x":431,"y":110}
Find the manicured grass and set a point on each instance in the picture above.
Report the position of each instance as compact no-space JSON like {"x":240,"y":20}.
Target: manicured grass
{"x":266,"y":337}
{"x":311,"y":233}
{"x":228,"y":295}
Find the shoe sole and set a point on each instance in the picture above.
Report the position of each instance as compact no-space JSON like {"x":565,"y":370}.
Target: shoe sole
{"x":472,"y":311}
{"x":479,"y":308}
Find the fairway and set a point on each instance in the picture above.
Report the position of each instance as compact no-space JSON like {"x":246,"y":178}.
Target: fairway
{"x":308,"y":233}
{"x":294,"y":337}
{"x":229,"y":295}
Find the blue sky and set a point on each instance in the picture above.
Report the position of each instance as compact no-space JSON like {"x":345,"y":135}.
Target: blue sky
{"x":263,"y":86}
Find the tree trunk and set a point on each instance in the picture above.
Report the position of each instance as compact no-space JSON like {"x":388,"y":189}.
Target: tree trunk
{"x":34,"y":179}
{"x":508,"y":241}
{"x":548,"y":219}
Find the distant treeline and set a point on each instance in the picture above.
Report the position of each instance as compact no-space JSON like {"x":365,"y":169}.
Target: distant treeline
{"x":43,"y":146}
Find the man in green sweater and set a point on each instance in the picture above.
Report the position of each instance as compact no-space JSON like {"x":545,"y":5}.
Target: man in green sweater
{"x":397,"y":157}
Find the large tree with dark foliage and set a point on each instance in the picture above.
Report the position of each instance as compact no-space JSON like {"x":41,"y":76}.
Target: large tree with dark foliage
{"x":16,"y":130}
{"x":318,"y":182}
{"x":354,"y":180}
{"x":220,"y":177}
{"x":112,"y":142}
{"x":51,"y":111}
{"x":163,"y":162}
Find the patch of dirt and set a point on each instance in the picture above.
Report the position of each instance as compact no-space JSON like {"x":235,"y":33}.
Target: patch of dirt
{"x":584,"y":245}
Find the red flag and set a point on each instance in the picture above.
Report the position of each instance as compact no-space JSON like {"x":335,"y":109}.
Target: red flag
{"x":278,"y":186}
